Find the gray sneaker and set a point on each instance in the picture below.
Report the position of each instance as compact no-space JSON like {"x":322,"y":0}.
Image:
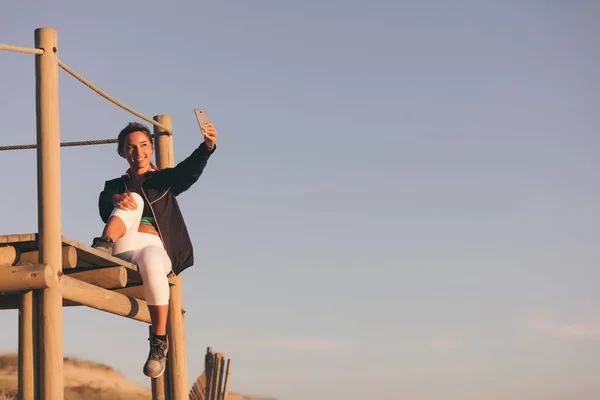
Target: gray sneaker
{"x":157,"y":358}
{"x":103,"y":243}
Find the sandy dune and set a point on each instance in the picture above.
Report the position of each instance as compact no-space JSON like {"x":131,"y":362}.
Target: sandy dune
{"x":85,"y":379}
{"x":81,"y":377}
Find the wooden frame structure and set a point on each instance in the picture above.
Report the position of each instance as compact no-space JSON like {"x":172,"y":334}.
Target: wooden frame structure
{"x":44,"y":271}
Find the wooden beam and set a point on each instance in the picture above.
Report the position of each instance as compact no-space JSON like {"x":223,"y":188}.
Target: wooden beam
{"x":87,"y":257}
{"x":18,"y":238}
{"x":103,"y":300}
{"x":8,"y":254}
{"x":30,"y":277}
{"x":12,"y":301}
{"x":133,"y":277}
{"x":69,"y":257}
{"x":132,"y":291}
{"x":107,"y":278}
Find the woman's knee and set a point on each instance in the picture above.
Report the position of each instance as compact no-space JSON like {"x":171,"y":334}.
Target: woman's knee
{"x":153,"y":259}
{"x":130,"y":217}
{"x":152,"y":262}
{"x":138,"y":199}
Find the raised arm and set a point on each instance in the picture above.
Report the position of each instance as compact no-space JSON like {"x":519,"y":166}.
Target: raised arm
{"x":181,"y":177}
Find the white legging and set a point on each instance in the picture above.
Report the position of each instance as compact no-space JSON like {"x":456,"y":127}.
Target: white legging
{"x":146,"y":251}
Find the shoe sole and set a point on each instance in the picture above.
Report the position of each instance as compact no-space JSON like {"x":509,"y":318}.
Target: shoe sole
{"x":157,"y":376}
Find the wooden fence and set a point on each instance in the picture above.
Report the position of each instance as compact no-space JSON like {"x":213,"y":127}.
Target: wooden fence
{"x":214,"y":381}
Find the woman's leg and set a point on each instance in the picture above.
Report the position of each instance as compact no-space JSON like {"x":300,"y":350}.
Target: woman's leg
{"x":154,"y":265}
{"x":147,"y":252}
{"x":158,"y":315}
{"x":121,"y":223}
{"x":114,"y":229}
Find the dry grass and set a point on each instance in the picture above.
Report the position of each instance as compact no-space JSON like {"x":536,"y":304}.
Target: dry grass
{"x":8,"y":360}
{"x":8,"y":389}
{"x":7,"y":396}
{"x":77,"y":362}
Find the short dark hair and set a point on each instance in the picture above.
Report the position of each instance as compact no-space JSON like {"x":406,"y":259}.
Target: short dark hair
{"x":130,"y":128}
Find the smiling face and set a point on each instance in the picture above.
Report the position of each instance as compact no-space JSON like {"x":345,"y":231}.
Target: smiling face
{"x":137,"y":149}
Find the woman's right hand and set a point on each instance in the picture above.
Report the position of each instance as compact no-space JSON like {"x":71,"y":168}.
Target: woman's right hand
{"x":124,"y":201}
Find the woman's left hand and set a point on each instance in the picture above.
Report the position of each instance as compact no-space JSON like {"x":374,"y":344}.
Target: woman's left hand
{"x":210,"y":135}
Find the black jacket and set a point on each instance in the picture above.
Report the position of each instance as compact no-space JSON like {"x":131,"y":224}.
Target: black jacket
{"x":159,"y":189}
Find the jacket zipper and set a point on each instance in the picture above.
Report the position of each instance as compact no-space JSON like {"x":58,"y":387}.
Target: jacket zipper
{"x":153,"y":215}
{"x":152,"y":210}
{"x":164,"y":194}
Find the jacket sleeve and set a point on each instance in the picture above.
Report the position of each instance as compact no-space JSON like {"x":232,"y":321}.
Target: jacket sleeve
{"x":181,"y":177}
{"x":105,"y":205}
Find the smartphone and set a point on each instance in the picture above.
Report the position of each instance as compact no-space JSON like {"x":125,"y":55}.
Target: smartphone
{"x":201,"y":117}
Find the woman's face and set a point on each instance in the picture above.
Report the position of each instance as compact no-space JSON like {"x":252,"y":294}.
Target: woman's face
{"x":138,"y":150}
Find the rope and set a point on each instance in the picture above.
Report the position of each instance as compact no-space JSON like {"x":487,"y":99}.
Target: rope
{"x":63,"y":144}
{"x":88,"y":84}
{"x":114,"y":101}
{"x":21,"y":49}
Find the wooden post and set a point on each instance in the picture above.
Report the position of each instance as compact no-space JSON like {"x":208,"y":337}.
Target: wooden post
{"x":158,"y":385}
{"x":220,"y":377}
{"x":26,"y":371}
{"x":50,"y":355}
{"x":215,"y":377}
{"x":226,"y":384}
{"x":38,"y":316}
{"x":163,"y":147}
{"x":167,"y":385}
{"x":209,"y":368}
{"x":177,"y":382}
{"x":163,"y":143}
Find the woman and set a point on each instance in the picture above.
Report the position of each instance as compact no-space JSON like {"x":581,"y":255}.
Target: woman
{"x":144,"y":224}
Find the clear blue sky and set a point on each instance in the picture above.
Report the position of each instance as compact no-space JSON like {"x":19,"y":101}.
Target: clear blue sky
{"x":403,"y":202}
